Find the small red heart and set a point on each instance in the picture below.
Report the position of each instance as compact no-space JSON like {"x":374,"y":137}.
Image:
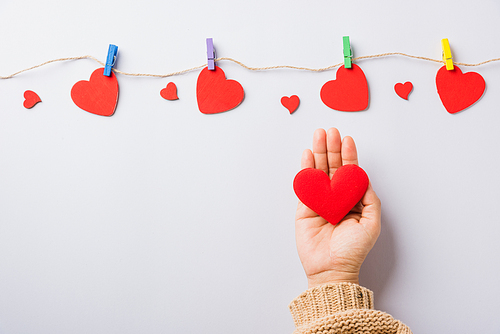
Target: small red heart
{"x":403,"y":90}
{"x":99,"y":95}
{"x":331,"y":199}
{"x":458,"y":90}
{"x":170,"y":92}
{"x":349,"y":92}
{"x":30,"y":99}
{"x":216,"y":94}
{"x":291,"y":103}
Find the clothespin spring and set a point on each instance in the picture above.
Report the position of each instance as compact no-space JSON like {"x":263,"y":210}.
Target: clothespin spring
{"x":113,"y":63}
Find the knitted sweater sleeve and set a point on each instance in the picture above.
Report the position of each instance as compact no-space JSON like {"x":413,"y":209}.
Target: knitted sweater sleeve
{"x":341,"y":308}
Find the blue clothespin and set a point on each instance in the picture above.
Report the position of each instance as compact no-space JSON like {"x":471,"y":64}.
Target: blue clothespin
{"x":347,"y":52}
{"x":211,"y":54}
{"x":110,"y":60}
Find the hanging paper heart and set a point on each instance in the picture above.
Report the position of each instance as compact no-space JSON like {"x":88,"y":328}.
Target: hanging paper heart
{"x":331,"y":199}
{"x":291,"y":103}
{"x":459,"y":90}
{"x":30,"y":99}
{"x":403,"y":90}
{"x":349,"y":92}
{"x":216,"y":94}
{"x":99,"y":95}
{"x":170,"y":92}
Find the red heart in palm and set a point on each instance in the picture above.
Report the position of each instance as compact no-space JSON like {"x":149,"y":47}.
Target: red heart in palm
{"x":99,"y":95}
{"x":458,"y":90}
{"x":331,"y":199}
{"x":215,"y":94}
{"x":349,"y":92}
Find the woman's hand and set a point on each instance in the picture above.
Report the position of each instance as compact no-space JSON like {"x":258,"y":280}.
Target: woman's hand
{"x":334,"y":253}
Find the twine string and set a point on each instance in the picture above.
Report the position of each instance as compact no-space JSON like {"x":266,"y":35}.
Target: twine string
{"x":245,"y":66}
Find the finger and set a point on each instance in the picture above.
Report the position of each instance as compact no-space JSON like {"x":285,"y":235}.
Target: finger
{"x":349,"y":152}
{"x":303,"y":212}
{"x":371,"y":213}
{"x":333,"y":146}
{"x":319,"y":150}
{"x":307,"y":160}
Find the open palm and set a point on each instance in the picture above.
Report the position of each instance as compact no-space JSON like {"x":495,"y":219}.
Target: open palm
{"x":334,"y":253}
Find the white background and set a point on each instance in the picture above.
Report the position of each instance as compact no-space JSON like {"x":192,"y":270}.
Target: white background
{"x":161,"y":219}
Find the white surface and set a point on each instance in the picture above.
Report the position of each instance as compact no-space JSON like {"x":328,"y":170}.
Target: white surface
{"x":163,"y":220}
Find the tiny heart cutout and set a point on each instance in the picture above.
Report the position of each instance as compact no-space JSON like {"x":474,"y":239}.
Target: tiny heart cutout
{"x":349,"y":92}
{"x":331,"y":199}
{"x":170,"y":92}
{"x":459,"y":90}
{"x":99,"y":95}
{"x":216,"y":94}
{"x":403,"y":90}
{"x":30,"y":99}
{"x":291,"y":103}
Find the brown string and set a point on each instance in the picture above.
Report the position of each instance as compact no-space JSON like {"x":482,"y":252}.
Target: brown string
{"x":245,"y":66}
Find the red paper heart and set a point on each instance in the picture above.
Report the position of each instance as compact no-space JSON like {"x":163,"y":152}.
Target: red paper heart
{"x":291,"y":103}
{"x":215,"y":94}
{"x":403,"y":90}
{"x":349,"y":92}
{"x":30,"y":99}
{"x":459,"y":90}
{"x":333,"y":199}
{"x":170,"y":92}
{"x":99,"y":95}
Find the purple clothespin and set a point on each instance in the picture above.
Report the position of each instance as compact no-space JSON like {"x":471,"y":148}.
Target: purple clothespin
{"x":210,"y":54}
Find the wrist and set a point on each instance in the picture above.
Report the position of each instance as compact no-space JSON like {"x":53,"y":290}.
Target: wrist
{"x":332,"y":277}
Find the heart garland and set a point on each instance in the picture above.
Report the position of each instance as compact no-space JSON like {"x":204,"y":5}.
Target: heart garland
{"x":216,"y":94}
{"x":99,"y":95}
{"x":349,"y":92}
{"x":331,"y":199}
{"x":458,"y":90}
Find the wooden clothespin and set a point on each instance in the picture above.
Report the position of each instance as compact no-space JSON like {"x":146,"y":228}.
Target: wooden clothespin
{"x":447,"y":54}
{"x":110,"y":60}
{"x":347,"y":52}
{"x":211,"y":54}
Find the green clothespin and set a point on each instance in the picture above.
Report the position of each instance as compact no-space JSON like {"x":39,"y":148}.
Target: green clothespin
{"x":347,"y":52}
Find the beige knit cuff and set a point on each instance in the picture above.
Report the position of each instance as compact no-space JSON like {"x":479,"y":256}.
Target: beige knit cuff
{"x":328,"y":299}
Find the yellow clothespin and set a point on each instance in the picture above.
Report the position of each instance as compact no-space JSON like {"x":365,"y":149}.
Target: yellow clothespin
{"x":447,"y":54}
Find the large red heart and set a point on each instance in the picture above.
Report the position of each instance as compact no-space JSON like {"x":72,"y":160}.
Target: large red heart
{"x":215,"y":94}
{"x":459,"y":90}
{"x":349,"y":92}
{"x":99,"y":95}
{"x":333,"y":199}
